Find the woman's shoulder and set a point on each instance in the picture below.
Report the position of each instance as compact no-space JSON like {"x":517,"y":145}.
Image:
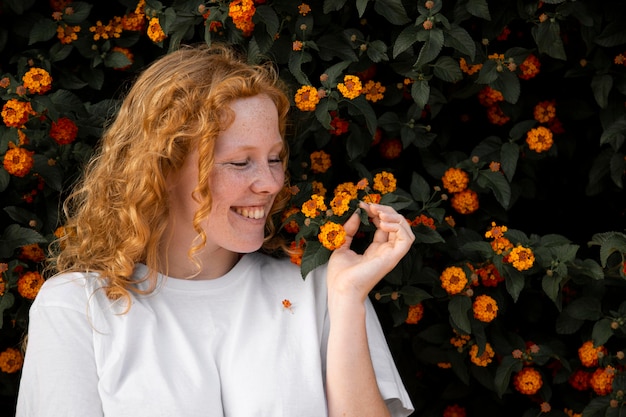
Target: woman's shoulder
{"x":69,"y":290}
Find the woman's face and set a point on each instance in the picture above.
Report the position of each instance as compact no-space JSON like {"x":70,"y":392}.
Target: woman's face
{"x":247,"y":175}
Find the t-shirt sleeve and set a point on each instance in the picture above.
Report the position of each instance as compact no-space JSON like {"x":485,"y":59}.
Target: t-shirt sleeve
{"x":59,"y":376}
{"x":389,"y":381}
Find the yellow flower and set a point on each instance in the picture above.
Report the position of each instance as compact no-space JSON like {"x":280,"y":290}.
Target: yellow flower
{"x":320,"y":162}
{"x":18,"y":161}
{"x":155,"y":32}
{"x":318,"y":188}
{"x":521,"y":258}
{"x":11,"y":360}
{"x":351,"y":87}
{"x":15,"y":113}
{"x":485,"y":357}
{"x":465,"y":202}
{"x":496,"y":231}
{"x":28,"y":285}
{"x":306,"y":98}
{"x":539,"y":139}
{"x":384,"y":182}
{"x":455,"y":180}
{"x":374,"y":91}
{"x":37,"y":81}
{"x":453,"y":280}
{"x":528,"y":381}
{"x":313,"y":206}
{"x":332,"y":235}
{"x":348,"y":188}
{"x":340,"y":203}
{"x":485,"y":308}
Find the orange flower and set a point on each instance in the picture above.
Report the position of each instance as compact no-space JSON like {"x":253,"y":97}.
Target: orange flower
{"x":485,"y":308}
{"x":384,"y":182}
{"x":521,"y":258}
{"x":391,"y":148}
{"x":545,"y":111}
{"x":242,"y":11}
{"x":423,"y":220}
{"x":332,"y":235}
{"x":589,"y":354}
{"x":11,"y":360}
{"x":485,"y":358}
{"x":454,"y":410}
{"x":351,"y":87}
{"x":28,"y":285}
{"x":290,"y":225}
{"x":530,"y":67}
{"x":32,"y":253}
{"x":63,"y":131}
{"x":496,"y":116}
{"x":528,"y":381}
{"x":488,"y":96}
{"x":15,"y":113}
{"x":340,"y":203}
{"x":489,"y":275}
{"x":602,"y":380}
{"x":465,"y":202}
{"x":580,"y":380}
{"x":67,"y":34}
{"x":453,"y":280}
{"x":539,"y":139}
{"x":304,"y":9}
{"x":127,"y":53}
{"x":416,"y":312}
{"x":18,"y":161}
{"x":496,"y":231}
{"x":374,"y":91}
{"x":469,"y":70}
{"x":155,"y":32}
{"x":295,"y":252}
{"x":313,"y":206}
{"x":320,"y":162}
{"x":455,"y":180}
{"x":37,"y":81}
{"x":306,"y":98}
{"x":339,"y":125}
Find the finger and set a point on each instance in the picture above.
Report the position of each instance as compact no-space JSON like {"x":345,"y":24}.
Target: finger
{"x":351,"y":226}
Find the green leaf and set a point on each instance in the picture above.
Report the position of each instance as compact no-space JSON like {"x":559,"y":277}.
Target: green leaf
{"x":413,"y":295}
{"x":551,"y":286}
{"x":420,"y":190}
{"x":498,"y":184}
{"x":509,"y":154}
{"x":268,"y":16}
{"x":447,"y":69}
{"x":506,"y":368}
{"x":602,"y":331}
{"x":332,"y":5}
{"x":314,"y":255}
{"x":43,"y":30}
{"x":334,"y":73}
{"x":361,"y":5}
{"x":613,"y":34}
{"x":514,"y":281}
{"x":80,"y":13}
{"x":590,"y":268}
{"x":322,"y":113}
{"x":488,"y":73}
{"x":377,"y":51}
{"x":547,"y":36}
{"x":520,"y":129}
{"x":19,"y":6}
{"x":15,"y":236}
{"x":585,"y":308}
{"x":392,"y":10}
{"x":21,"y":215}
{"x":459,"y":39}
{"x":614,"y":134}
{"x":59,"y":52}
{"x":509,"y":85}
{"x":617,"y":167}
{"x":481,"y":248}
{"x":50,"y":173}
{"x":420,"y":91}
{"x":459,"y":306}
{"x":601,"y":86}
{"x":566,"y":324}
{"x":5,"y":179}
{"x":357,"y":144}
{"x":478,"y":8}
{"x":296,"y":60}
{"x":427,"y":235}
{"x":365,"y":108}
{"x":405,"y":40}
{"x":116,"y":59}
{"x":431,"y":48}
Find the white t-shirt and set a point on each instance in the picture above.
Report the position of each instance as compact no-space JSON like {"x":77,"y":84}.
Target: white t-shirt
{"x":211,"y":348}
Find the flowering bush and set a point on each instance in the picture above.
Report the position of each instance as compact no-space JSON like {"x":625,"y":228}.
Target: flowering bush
{"x":495,"y":126}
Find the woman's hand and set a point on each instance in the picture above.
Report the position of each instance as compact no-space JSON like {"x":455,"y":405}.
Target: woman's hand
{"x":355,"y":275}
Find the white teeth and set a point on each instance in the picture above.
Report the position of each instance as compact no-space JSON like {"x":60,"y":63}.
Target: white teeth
{"x":251,"y":212}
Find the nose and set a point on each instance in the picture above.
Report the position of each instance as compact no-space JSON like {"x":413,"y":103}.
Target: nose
{"x":268,"y":179}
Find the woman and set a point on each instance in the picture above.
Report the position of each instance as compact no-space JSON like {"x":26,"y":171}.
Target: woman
{"x":163,"y":305}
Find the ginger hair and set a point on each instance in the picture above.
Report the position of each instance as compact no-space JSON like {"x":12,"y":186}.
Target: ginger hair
{"x":116,"y":214}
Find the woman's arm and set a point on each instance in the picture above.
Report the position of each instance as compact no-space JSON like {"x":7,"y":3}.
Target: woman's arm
{"x":351,"y":383}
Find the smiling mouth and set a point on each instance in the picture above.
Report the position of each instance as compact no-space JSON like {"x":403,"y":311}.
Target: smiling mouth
{"x":255,"y":213}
